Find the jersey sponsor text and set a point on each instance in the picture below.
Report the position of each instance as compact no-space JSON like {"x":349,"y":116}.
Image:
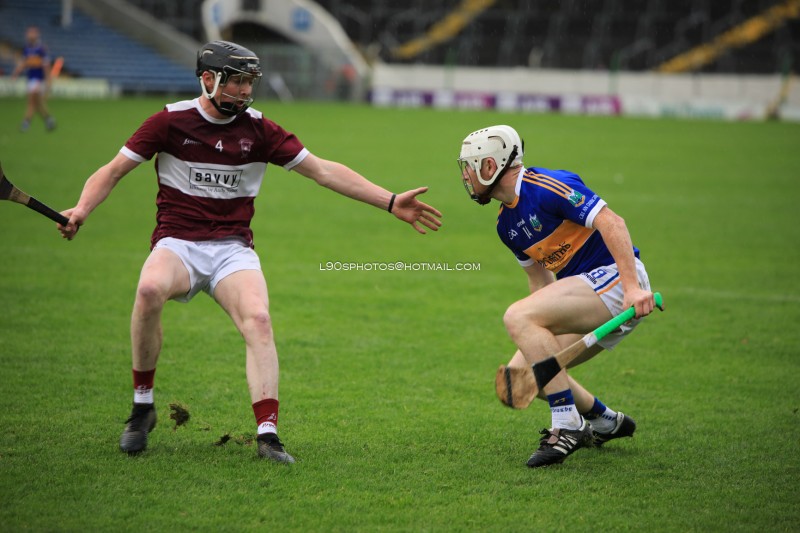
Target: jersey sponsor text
{"x":215,"y":180}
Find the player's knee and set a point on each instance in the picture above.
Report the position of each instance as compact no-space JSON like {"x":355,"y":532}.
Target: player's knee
{"x":517,"y":318}
{"x":258,"y":324}
{"x":512,"y":319}
{"x":149,"y":295}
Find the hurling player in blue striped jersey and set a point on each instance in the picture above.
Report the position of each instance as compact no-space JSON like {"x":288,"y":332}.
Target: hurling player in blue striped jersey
{"x":35,"y":62}
{"x":582,"y":270}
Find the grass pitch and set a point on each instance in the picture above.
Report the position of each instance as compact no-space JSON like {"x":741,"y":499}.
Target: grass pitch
{"x":387,"y":395}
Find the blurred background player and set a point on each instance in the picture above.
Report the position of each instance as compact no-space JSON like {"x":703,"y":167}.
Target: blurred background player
{"x":35,"y":61}
{"x":212,"y":153}
{"x":582,"y":270}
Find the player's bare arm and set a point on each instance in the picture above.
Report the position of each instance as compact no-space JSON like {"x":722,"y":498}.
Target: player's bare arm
{"x":20,"y":66}
{"x":95,"y":191}
{"x":618,"y":240}
{"x":346,"y":181}
{"x":538,"y":277}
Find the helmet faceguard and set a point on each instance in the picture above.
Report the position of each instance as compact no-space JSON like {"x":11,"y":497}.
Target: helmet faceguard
{"x":501,"y":143}
{"x":226,"y":60}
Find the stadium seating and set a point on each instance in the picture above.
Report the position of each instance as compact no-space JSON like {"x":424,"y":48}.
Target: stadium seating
{"x":183,"y":15}
{"x":633,"y":35}
{"x":91,"y":50}
{"x":7,"y":60}
{"x":579,"y":34}
{"x":576,"y":34}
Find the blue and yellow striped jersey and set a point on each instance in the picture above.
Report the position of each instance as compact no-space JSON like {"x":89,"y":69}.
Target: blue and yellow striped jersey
{"x":550,"y":222}
{"x":35,"y":58}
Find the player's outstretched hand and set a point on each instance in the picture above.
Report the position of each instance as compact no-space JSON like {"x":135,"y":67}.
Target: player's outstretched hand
{"x":409,"y":209}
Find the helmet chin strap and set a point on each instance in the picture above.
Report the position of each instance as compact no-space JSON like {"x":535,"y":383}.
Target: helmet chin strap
{"x":206,"y":93}
{"x":227,"y":108}
{"x":486,"y":196}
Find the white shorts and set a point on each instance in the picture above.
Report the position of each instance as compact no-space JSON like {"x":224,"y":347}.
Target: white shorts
{"x":606,"y":284}
{"x":35,"y":86}
{"x":209,"y":262}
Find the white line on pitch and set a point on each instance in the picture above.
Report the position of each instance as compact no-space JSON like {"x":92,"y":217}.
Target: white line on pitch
{"x":735,"y":295}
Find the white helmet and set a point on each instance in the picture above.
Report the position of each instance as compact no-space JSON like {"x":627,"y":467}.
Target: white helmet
{"x":502,"y":143}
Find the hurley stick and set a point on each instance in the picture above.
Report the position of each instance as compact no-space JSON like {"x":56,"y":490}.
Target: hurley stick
{"x":9,"y":192}
{"x":517,"y":387}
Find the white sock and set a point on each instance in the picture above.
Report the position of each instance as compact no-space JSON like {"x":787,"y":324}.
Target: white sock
{"x":606,"y":422}
{"x":143,"y":395}
{"x":267,"y":427}
{"x":566,"y":417}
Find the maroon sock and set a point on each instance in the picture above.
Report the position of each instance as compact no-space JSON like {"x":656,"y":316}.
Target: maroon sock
{"x":266,"y":412}
{"x":143,"y":385}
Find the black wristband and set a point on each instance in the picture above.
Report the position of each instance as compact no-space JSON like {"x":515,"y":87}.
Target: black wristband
{"x":391,"y":203}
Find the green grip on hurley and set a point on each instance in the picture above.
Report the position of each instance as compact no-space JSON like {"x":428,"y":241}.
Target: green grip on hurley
{"x":621,"y":318}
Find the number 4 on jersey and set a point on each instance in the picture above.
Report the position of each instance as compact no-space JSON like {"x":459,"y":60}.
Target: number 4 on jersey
{"x":218,"y":146}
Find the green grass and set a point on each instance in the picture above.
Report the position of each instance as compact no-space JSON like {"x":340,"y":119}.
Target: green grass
{"x":387,"y":377}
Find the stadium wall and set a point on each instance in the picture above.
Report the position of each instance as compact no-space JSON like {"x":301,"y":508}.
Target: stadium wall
{"x":74,"y":89}
{"x":732,"y":97}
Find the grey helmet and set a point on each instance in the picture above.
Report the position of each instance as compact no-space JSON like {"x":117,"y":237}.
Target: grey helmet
{"x":226,"y":59}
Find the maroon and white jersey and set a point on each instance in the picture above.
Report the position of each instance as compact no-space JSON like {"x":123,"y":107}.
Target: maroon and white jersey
{"x":209,"y":170}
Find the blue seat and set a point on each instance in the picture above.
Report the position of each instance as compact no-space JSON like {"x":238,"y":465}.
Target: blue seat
{"x":91,"y":50}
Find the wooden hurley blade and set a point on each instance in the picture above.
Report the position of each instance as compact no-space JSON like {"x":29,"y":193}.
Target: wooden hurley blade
{"x":515,"y":387}
{"x":5,"y":186}
{"x":9,"y":192}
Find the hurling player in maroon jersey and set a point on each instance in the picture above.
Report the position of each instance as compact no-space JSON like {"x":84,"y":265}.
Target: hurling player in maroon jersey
{"x":212,"y":153}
